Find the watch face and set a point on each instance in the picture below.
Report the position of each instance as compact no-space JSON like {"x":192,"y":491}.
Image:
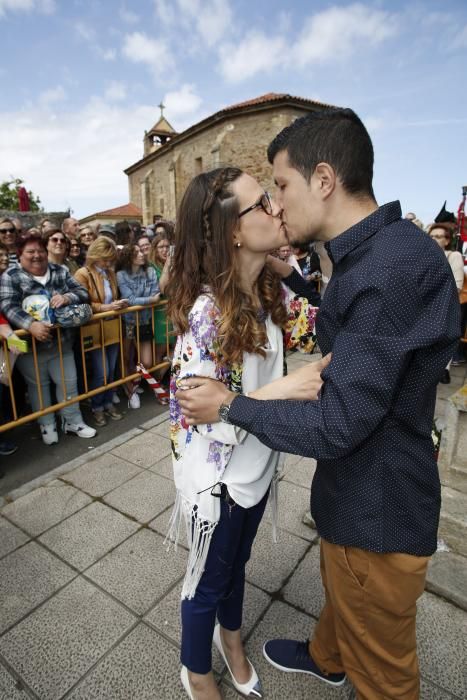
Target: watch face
{"x":224,"y":413}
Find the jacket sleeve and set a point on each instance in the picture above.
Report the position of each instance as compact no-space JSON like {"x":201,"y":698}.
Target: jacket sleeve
{"x":76,"y":292}
{"x":299,"y":286}
{"x":11,"y":296}
{"x":128,"y":288}
{"x":83,"y":279}
{"x":201,"y":357}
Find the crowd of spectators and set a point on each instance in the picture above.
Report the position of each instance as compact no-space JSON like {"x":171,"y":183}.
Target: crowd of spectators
{"x":47,"y":268}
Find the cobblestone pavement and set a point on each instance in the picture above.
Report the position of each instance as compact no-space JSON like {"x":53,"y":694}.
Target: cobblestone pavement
{"x":89,"y":596}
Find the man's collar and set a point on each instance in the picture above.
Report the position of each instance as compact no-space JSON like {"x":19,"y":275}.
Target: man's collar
{"x":350,"y":239}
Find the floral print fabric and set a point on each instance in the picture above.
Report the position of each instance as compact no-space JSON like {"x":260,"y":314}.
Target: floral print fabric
{"x":197,"y":353}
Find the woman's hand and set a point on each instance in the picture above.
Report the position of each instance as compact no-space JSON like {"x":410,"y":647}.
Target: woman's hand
{"x":118,"y":304}
{"x":303,"y":384}
{"x":59,"y":300}
{"x":7,"y":332}
{"x":165,"y":276}
{"x":41,"y":331}
{"x":200,"y":399}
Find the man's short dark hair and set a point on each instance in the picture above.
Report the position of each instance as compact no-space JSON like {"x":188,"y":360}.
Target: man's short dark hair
{"x":335,"y":136}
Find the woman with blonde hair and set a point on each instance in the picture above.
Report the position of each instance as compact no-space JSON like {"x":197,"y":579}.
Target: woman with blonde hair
{"x":98,"y":277}
{"x":230,"y":310}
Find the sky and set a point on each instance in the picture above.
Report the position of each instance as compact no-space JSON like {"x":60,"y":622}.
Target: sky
{"x":81,"y":80}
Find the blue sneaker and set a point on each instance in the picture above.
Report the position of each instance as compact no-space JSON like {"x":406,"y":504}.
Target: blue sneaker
{"x":293,"y":657}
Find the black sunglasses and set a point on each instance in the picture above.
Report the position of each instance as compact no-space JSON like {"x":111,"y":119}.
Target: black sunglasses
{"x":264,"y":202}
{"x":8,"y":230}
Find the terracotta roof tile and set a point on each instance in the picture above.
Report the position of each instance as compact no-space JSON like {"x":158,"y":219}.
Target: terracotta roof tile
{"x":272,"y":97}
{"x":125,"y":210}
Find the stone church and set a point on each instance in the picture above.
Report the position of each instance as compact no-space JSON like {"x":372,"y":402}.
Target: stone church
{"x":237,"y":135}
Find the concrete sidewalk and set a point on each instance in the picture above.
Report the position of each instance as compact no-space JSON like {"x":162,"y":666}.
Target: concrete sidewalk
{"x":89,"y":596}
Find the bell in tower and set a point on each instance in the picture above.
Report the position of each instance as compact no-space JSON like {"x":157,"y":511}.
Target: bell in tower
{"x":159,"y":135}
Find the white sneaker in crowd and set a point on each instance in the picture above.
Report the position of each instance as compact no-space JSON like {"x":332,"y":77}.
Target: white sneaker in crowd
{"x":133,"y":401}
{"x":115,"y":398}
{"x":49,"y":434}
{"x":80,"y":429}
{"x":139,"y":390}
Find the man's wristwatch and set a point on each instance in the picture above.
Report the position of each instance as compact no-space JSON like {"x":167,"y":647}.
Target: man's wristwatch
{"x":224,"y":409}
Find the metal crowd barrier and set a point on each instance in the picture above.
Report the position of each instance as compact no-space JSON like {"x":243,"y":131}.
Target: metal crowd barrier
{"x":102,"y":330}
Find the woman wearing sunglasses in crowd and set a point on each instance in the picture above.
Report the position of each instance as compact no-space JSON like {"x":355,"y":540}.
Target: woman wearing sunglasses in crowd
{"x":231,"y":312}
{"x":8,"y":236}
{"x":86,"y":236}
{"x":58,"y":248}
{"x":74,"y":255}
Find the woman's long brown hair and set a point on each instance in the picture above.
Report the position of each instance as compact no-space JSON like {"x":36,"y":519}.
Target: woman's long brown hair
{"x":205,"y":257}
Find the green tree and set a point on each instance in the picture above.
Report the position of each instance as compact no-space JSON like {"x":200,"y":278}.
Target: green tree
{"x":9,"y":196}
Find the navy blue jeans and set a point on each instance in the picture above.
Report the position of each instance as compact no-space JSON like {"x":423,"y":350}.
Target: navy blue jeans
{"x":104,"y":399}
{"x":221,"y":588}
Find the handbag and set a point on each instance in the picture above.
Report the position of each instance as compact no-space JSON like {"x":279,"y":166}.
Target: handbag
{"x":73,"y":315}
{"x":70,"y":316}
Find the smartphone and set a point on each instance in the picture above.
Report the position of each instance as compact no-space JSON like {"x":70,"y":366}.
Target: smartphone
{"x":172,"y":251}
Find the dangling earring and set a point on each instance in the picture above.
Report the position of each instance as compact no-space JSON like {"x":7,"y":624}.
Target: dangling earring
{"x":239,"y":245}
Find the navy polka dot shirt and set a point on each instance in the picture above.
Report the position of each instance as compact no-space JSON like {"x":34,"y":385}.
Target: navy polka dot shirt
{"x":390,"y":316}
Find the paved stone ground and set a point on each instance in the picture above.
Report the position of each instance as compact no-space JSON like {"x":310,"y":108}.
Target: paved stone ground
{"x":89,"y":596}
{"x":34,"y":458}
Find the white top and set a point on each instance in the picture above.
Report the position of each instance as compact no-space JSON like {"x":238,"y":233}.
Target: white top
{"x":252,"y":464}
{"x":43,"y":279}
{"x":221,"y":452}
{"x":456,"y":262}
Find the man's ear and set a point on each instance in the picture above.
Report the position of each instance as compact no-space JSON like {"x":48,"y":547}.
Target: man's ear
{"x":326,"y":179}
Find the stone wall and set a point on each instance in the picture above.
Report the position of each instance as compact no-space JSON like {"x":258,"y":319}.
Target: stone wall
{"x":157,"y":186}
{"x":33,"y":218}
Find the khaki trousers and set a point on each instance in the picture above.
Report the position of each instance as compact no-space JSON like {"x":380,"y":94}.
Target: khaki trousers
{"x":367,"y":626}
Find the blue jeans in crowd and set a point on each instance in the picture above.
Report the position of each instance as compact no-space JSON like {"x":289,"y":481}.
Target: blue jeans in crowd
{"x":222,"y":585}
{"x":48,"y":361}
{"x":103,"y":400}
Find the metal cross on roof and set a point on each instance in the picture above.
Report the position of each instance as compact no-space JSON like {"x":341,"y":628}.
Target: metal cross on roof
{"x":161,"y":107}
